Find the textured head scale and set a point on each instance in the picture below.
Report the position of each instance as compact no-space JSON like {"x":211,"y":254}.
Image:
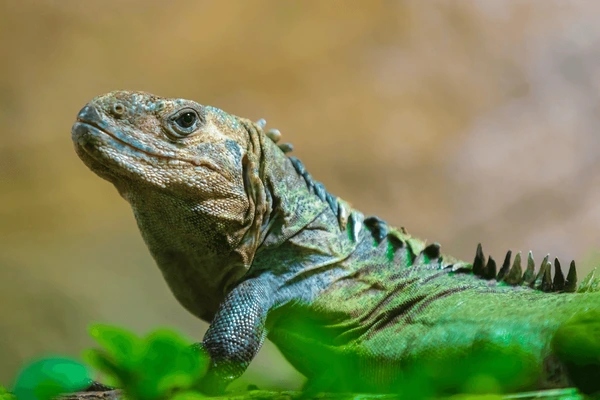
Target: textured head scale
{"x":137,"y":140}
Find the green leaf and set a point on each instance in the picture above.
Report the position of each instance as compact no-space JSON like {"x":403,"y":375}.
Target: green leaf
{"x":5,"y":394}
{"x":46,"y":378}
{"x":578,"y":339}
{"x":115,"y":375}
{"x":150,"y":368}
{"x":169,"y":363}
{"x":122,"y":346}
{"x":188,"y":395}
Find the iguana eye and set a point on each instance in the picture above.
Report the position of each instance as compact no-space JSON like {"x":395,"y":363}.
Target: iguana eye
{"x":186,"y":120}
{"x":184,"y":123}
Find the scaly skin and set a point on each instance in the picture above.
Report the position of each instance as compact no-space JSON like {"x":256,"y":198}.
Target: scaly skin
{"x":250,"y":243}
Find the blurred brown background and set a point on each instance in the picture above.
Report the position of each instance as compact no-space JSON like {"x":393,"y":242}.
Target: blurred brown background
{"x":465,"y":121}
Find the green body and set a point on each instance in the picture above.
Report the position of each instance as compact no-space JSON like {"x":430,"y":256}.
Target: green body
{"x":247,"y":240}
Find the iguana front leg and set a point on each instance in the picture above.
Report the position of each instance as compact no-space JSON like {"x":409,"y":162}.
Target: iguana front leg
{"x":236,"y":333}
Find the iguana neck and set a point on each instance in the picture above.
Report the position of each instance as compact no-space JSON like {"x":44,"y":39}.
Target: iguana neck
{"x":288,"y":205}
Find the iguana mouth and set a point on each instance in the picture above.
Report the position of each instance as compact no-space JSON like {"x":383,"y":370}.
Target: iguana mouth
{"x":95,"y":129}
{"x":87,"y":123}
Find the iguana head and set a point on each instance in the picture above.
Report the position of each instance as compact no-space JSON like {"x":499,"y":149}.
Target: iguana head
{"x":209,"y":190}
{"x":140,"y":141}
{"x":190,"y":172}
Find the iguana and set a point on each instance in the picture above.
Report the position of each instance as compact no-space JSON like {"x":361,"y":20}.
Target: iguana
{"x":248,"y":241}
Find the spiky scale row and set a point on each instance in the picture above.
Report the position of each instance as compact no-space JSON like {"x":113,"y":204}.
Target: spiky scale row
{"x":378,"y":227}
{"x":513,"y":275}
{"x":275,"y":136}
{"x":345,"y":215}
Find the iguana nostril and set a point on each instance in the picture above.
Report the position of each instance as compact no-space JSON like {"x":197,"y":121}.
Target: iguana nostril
{"x":88,"y":114}
{"x":118,"y":110}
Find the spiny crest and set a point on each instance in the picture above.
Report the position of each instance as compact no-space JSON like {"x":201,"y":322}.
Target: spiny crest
{"x":316,"y":187}
{"x":344,"y":214}
{"x":423,"y":254}
{"x":511,"y":275}
{"x":340,"y":208}
{"x":275,"y":136}
{"x":514,"y":275}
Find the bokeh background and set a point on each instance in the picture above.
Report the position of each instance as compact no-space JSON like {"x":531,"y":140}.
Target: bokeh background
{"x":464,"y":121}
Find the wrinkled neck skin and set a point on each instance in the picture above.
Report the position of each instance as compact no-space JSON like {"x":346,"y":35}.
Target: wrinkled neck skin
{"x":194,"y":251}
{"x":292,"y":207}
{"x":203,"y":254}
